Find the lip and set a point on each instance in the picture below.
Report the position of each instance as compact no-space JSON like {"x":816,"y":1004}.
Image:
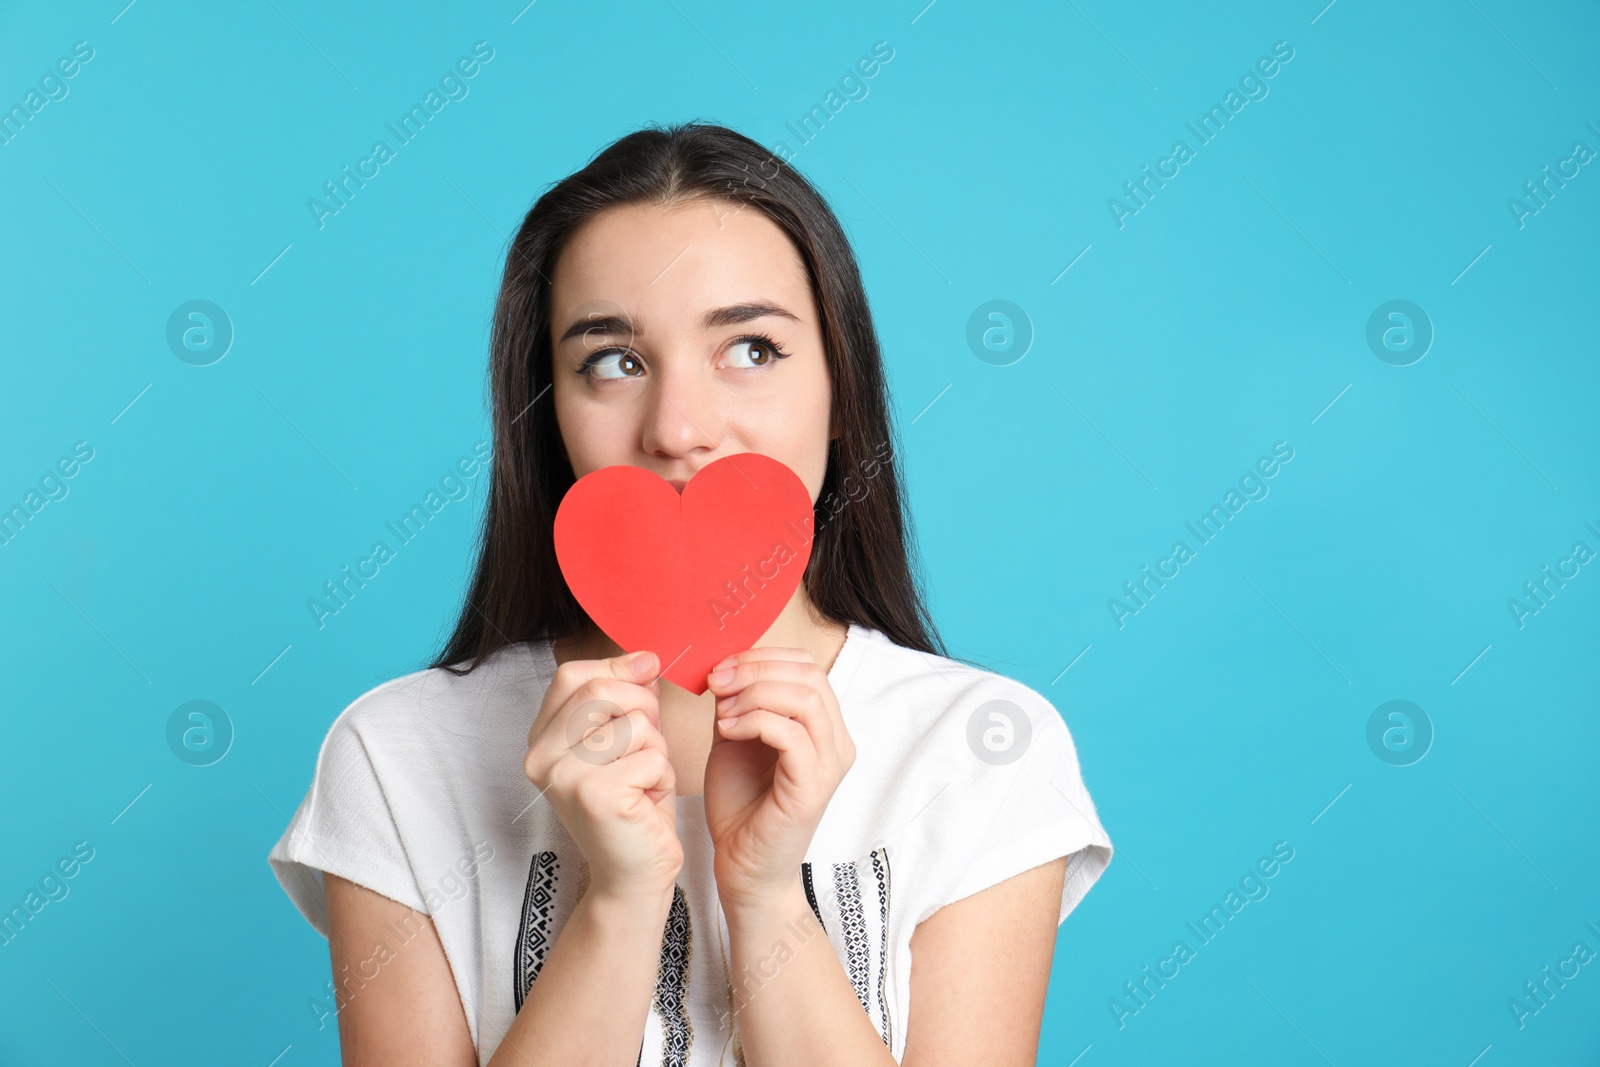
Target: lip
{"x":678,"y":484}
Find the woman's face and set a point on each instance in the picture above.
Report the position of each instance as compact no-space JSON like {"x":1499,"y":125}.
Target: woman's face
{"x":656,"y":358}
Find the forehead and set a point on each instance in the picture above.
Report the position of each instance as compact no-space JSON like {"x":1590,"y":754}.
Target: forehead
{"x":667,"y":264}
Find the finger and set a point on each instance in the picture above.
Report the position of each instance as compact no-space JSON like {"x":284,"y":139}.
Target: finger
{"x":797,"y":756}
{"x":589,"y":704}
{"x":637,"y":667}
{"x":579,"y":681}
{"x":628,"y":695}
{"x":648,"y":770}
{"x":607,"y":738}
{"x":802,"y":702}
{"x":752,"y":655}
{"x":620,"y":697}
{"x":746,"y":671}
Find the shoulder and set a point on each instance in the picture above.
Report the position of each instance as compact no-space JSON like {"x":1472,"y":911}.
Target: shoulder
{"x":425,"y":709}
{"x":905,"y":692}
{"x":927,"y":726}
{"x":963,"y":776}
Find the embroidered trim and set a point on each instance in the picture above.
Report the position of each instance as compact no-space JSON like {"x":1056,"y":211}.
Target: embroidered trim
{"x":672,"y":975}
{"x":880,"y":867}
{"x":847,"y":889}
{"x":811,"y":895}
{"x":533,"y":935}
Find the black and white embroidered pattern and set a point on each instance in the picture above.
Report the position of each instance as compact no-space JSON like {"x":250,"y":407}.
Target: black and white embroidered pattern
{"x":533,"y":935}
{"x":549,"y":898}
{"x":672,"y":977}
{"x":852,"y":927}
{"x":880,"y":868}
{"x":847,"y":891}
{"x":811,"y":895}
{"x":857,"y":929}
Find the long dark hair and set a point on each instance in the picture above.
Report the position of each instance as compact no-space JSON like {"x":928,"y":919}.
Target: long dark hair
{"x":861,"y":565}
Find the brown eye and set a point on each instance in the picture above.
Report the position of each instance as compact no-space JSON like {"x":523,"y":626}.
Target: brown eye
{"x":758,"y":352}
{"x":612,"y":363}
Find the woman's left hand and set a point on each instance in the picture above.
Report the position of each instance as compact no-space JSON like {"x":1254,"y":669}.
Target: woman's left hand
{"x":779,"y":751}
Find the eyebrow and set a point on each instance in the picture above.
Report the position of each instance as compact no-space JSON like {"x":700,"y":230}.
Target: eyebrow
{"x":713,"y":319}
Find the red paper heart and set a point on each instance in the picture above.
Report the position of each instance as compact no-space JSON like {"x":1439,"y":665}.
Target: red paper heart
{"x":693,"y":578}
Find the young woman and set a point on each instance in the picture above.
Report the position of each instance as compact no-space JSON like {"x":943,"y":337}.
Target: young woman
{"x":852,"y":849}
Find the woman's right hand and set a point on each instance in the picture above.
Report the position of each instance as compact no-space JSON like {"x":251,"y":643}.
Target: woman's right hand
{"x":596,"y":752}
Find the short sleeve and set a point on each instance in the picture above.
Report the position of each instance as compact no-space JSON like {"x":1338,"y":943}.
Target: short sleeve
{"x":1020,"y":814}
{"x":344,"y":826}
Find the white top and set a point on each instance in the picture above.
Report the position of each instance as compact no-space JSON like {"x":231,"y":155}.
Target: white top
{"x":962,"y":778}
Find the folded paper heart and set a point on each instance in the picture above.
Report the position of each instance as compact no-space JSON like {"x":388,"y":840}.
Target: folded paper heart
{"x":695,"y":577}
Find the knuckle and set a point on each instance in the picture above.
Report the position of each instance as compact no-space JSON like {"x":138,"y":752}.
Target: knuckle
{"x":588,"y":792}
{"x":556,"y":778}
{"x":638,"y":728}
{"x":663,"y":767}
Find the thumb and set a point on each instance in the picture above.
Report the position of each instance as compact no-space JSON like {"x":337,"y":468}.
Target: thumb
{"x":635,"y":666}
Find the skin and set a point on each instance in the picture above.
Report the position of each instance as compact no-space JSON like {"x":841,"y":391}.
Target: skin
{"x":766,"y":744}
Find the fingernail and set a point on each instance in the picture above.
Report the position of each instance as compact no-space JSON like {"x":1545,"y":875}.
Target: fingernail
{"x":642,"y":664}
{"x":722,"y":676}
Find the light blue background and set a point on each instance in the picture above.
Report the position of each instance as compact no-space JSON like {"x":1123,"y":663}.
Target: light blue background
{"x":1227,"y":315}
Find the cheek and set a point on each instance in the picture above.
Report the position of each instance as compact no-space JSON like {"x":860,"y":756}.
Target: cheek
{"x":814,"y":448}
{"x":787,"y":428}
{"x":585,"y":434}
{"x":806,"y":446}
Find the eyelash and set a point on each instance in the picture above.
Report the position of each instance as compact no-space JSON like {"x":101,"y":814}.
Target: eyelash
{"x":760,"y":339}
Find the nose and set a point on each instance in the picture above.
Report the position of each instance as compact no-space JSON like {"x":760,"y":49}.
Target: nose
{"x":681,"y":415}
